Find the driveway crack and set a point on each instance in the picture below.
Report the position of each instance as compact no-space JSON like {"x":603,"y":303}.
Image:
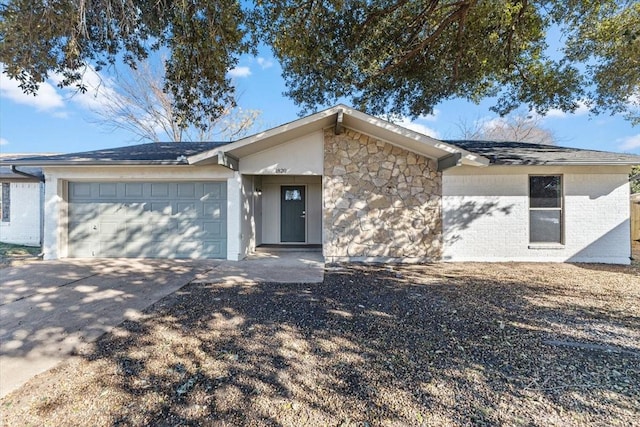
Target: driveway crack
{"x":59,"y":286}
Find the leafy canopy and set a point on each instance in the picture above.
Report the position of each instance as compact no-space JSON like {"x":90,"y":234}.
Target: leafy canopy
{"x":385,"y":56}
{"x":635,"y":179}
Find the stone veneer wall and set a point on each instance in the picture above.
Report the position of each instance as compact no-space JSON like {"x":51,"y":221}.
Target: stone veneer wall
{"x":380,"y":201}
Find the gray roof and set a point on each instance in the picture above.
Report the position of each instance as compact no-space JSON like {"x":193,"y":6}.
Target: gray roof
{"x":5,"y":171}
{"x":154,"y":153}
{"x":171,"y":153}
{"x":521,"y":153}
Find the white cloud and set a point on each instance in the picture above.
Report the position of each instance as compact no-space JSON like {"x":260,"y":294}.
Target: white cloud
{"x":630,"y":142}
{"x":264,"y":63}
{"x":418,"y":127}
{"x":3,"y":141}
{"x":47,"y":99}
{"x":53,"y":100}
{"x":239,"y":72}
{"x":99,"y":94}
{"x":431,"y":117}
{"x":580,"y":111}
{"x":487,"y":124}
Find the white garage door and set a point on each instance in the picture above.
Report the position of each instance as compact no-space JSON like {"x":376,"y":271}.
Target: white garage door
{"x":148,"y":219}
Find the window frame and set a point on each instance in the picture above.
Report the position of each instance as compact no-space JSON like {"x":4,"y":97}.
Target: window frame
{"x":5,"y":205}
{"x":547,"y":209}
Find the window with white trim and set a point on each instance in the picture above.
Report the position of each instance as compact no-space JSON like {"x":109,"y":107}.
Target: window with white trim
{"x":5,"y":202}
{"x":545,"y":209}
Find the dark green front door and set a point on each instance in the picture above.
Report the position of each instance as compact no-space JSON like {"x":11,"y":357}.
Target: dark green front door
{"x":292,"y":214}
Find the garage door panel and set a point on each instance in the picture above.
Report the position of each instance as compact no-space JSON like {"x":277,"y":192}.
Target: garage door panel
{"x":110,"y":249}
{"x":214,"y":230}
{"x":114,"y":209}
{"x":133,"y":189}
{"x":84,"y":249}
{"x":186,"y":190}
{"x":186,"y":248}
{"x":214,"y":210}
{"x":111,"y":229}
{"x":81,"y":190}
{"x":159,"y":190}
{"x":107,"y":190}
{"x":215,"y":191}
{"x":152,"y":219}
{"x":78,"y":231}
{"x":163,"y":208}
{"x":83,"y":211}
{"x":133,"y":209}
{"x":186,"y":210}
{"x":217,"y":248}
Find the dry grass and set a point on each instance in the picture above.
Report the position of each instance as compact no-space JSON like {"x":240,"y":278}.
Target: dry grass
{"x":444,"y":344}
{"x":12,"y":255}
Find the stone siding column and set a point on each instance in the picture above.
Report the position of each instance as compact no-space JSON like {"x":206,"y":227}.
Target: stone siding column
{"x":380,"y":201}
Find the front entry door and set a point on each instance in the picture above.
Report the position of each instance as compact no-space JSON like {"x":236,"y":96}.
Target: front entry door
{"x":292,"y":214}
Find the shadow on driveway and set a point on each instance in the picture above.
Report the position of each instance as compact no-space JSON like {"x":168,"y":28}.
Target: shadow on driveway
{"x":48,"y":310}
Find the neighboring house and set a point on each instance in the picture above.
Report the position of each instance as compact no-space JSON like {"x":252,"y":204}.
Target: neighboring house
{"x":362,"y":188}
{"x":21,"y":196}
{"x":635,"y":216}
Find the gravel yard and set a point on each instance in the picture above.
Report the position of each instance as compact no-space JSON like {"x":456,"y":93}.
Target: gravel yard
{"x":441,"y":344}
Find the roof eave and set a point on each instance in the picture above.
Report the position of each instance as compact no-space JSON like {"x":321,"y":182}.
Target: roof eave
{"x":49,"y":163}
{"x":296,"y":128}
{"x":351,"y":118}
{"x":577,"y":163}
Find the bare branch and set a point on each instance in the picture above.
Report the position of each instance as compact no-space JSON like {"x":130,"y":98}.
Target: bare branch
{"x":139,"y":104}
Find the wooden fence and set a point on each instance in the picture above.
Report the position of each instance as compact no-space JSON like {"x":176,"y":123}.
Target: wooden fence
{"x":635,"y":217}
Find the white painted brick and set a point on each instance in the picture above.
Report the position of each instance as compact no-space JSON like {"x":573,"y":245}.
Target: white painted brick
{"x":24,"y":225}
{"x":486,"y":218}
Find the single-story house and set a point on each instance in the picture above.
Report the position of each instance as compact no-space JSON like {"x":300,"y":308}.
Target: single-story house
{"x":360,"y":187}
{"x":21,"y":197}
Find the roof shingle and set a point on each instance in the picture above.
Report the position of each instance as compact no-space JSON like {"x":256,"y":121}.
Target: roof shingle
{"x":521,"y":153}
{"x":163,"y":153}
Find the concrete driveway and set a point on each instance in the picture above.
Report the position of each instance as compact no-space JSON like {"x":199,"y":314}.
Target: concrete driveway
{"x":50,"y":309}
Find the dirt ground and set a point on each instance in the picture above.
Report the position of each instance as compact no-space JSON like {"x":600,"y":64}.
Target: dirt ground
{"x":442,"y":344}
{"x":13,"y":255}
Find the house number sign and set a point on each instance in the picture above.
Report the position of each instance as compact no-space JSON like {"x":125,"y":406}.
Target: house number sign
{"x":281,"y":170}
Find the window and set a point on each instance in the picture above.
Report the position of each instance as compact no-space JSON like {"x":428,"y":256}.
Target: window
{"x":5,"y":202}
{"x":545,"y":209}
{"x":292,"y":195}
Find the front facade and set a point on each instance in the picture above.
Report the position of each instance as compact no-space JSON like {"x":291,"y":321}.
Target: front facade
{"x":361,"y":188}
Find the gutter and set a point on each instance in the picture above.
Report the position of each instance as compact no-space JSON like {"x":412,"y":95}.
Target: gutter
{"x":28,"y":175}
{"x":106,"y":163}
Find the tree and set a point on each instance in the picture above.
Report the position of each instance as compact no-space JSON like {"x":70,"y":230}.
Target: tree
{"x":137,"y":103}
{"x":635,"y":179}
{"x":514,"y":128}
{"x":398,"y":57}
{"x":204,"y":39}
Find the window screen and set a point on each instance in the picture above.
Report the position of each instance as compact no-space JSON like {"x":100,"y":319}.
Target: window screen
{"x":545,"y":209}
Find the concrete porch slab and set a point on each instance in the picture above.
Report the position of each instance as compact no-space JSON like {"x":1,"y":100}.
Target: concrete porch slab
{"x":269,"y":267}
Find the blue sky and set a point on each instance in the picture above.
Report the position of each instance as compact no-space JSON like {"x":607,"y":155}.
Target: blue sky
{"x":60,"y":121}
